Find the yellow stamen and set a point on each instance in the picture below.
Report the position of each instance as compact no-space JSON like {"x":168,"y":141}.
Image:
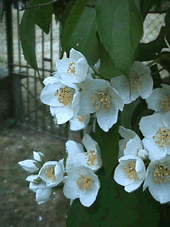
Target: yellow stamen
{"x":84,"y":182}
{"x":130,"y":171}
{"x":50,"y":173}
{"x":91,"y":157}
{"x":161,"y":174}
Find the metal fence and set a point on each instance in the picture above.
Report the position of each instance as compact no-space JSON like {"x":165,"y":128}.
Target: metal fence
{"x":26,"y":86}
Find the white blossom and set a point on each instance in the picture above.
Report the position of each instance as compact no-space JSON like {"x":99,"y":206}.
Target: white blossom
{"x":79,"y":122}
{"x":63,"y":99}
{"x":51,"y":173}
{"x":32,"y":165}
{"x":73,"y":69}
{"x":156,"y":131}
{"x":81,"y":182}
{"x":158,"y":179}
{"x":131,"y":144}
{"x":99,"y":96}
{"x":140,"y":83}
{"x":159,"y":100}
{"x":43,"y":192}
{"x":78,"y":157}
{"x":130,"y":172}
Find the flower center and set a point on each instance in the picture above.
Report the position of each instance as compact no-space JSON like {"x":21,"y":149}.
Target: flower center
{"x":50,"y":173}
{"x":164,"y":103}
{"x":84,"y":182}
{"x":80,"y":118}
{"x":162,"y":137}
{"x":101,"y":101}
{"x":71,"y":70}
{"x":130,"y":171}
{"x":65,"y":95}
{"x":136,"y":81}
{"x":91,"y":158}
{"x":161,"y":175}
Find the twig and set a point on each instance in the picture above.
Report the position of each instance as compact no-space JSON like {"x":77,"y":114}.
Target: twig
{"x":37,"y":6}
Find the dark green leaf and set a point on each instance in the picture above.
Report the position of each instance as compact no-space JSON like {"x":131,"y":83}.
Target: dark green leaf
{"x":83,"y":37}
{"x":107,"y":67}
{"x":27,"y":36}
{"x":43,"y":15}
{"x":149,"y":51}
{"x":146,"y":5}
{"x":109,"y":145}
{"x":71,"y":22}
{"x":126,"y":114}
{"x":120,"y":28}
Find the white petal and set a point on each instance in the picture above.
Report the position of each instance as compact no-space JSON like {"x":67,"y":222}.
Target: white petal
{"x":122,"y":146}
{"x":89,"y":143}
{"x":35,"y":187}
{"x":81,"y":70}
{"x":52,"y":79}
{"x":121,"y":85}
{"x":28,"y":165}
{"x":126,"y":133}
{"x":133,"y":146}
{"x":149,"y":125}
{"x":70,"y":189}
{"x":132,"y":187}
{"x":107,"y":119}
{"x":62,"y":64}
{"x":85,"y":105}
{"x":79,"y":122}
{"x":37,"y":156}
{"x":166,"y":88}
{"x":62,"y":114}
{"x":43,"y":195}
{"x":90,"y":196}
{"x":153,"y":100}
{"x":115,"y":98}
{"x":49,"y":96}
{"x":155,"y":152}
{"x":31,"y":178}
{"x":75,"y":55}
{"x":147,"y":86}
{"x":73,"y":147}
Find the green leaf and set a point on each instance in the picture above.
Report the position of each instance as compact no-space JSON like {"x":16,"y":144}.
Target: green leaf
{"x":107,"y":67}
{"x":83,"y":37}
{"x":43,"y":15}
{"x":126,"y":114}
{"x":120,"y":28}
{"x":109,"y":146}
{"x":71,"y":22}
{"x":27,"y":36}
{"x":114,"y":207}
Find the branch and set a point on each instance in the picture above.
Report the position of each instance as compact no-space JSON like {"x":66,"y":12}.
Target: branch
{"x":37,"y":6}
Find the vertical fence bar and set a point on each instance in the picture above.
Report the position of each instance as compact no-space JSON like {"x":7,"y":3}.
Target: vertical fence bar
{"x":9,"y":42}
{"x":51,"y":68}
{"x":35,"y":83}
{"x":42,"y":53}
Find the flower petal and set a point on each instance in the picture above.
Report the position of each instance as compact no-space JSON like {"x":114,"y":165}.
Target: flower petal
{"x":43,"y":195}
{"x":28,"y":165}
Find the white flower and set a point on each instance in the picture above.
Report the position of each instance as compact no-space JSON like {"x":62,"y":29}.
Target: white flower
{"x":79,"y":122}
{"x":140,"y":83}
{"x":77,"y":157}
{"x":158,"y":179}
{"x":43,"y":192}
{"x":62,"y":99}
{"x":130,"y":173}
{"x":159,"y":100}
{"x":156,"y":130}
{"x":99,"y":96}
{"x":51,"y":173}
{"x":38,"y":156}
{"x":81,"y":183}
{"x":73,"y":69}
{"x":28,"y":165}
{"x":131,"y":144}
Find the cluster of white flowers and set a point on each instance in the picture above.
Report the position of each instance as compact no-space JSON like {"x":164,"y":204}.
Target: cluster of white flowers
{"x":75,"y":93}
{"x":76,"y":172}
{"x":152,"y":152}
